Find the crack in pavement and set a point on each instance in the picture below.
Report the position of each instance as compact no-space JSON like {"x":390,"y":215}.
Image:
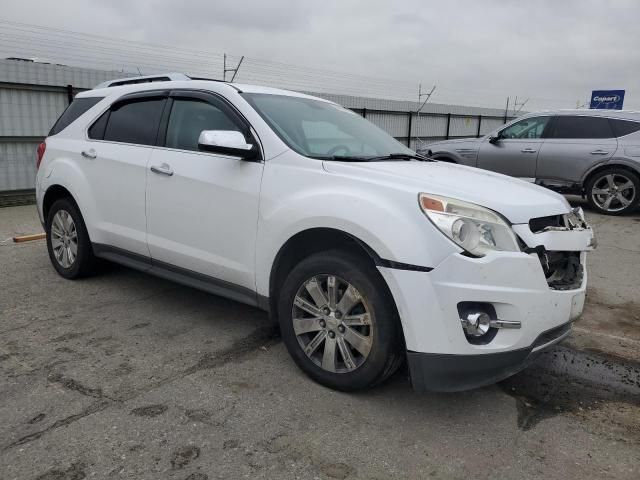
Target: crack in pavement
{"x":239,"y":350}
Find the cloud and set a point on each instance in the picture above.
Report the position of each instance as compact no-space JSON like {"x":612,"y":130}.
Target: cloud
{"x":554,"y":52}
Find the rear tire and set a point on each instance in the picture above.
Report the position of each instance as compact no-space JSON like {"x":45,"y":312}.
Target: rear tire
{"x":68,"y":242}
{"x":349,"y":340}
{"x":613,"y":191}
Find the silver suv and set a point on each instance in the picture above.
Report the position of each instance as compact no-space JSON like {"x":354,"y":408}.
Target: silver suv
{"x":593,"y":153}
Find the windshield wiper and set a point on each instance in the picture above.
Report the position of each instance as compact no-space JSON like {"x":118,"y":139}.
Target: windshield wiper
{"x":400,"y":156}
{"x":381,"y":158}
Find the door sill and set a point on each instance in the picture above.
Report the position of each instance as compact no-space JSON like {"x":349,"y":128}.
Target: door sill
{"x":179,"y":275}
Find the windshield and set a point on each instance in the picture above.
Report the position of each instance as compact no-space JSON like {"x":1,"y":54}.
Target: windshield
{"x":323,"y":130}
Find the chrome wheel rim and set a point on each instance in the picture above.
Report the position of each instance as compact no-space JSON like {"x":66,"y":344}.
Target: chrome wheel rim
{"x":64,"y":239}
{"x":613,"y":192}
{"x":332,"y":323}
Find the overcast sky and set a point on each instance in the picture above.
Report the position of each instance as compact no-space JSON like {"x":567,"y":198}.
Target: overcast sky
{"x":476,"y":52}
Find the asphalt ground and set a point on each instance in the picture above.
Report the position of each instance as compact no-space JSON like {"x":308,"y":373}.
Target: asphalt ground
{"x":124,"y":375}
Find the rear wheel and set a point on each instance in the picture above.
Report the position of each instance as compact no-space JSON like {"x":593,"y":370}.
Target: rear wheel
{"x":339,"y":322}
{"x":614,"y":191}
{"x":68,"y":241}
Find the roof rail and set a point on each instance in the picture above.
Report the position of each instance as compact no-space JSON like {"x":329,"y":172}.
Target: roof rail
{"x":162,"y":77}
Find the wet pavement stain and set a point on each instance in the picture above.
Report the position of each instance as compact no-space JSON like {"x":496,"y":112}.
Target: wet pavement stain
{"x":540,"y":395}
{"x":183,"y":456}
{"x":74,"y":472}
{"x":149,"y":411}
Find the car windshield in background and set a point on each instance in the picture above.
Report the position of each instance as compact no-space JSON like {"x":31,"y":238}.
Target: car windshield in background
{"x":323,"y":130}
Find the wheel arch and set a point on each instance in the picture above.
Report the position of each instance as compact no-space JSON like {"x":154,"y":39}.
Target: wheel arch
{"x":607,"y":166}
{"x":53,"y":193}
{"x":308,"y":242}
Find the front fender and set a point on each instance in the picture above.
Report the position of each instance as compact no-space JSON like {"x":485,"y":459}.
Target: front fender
{"x":382,"y":216}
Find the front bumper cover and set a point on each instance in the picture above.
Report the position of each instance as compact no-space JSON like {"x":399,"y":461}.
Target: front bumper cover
{"x":437,"y":372}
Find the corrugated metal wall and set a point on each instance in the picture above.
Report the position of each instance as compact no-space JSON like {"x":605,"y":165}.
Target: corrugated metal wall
{"x":33,"y":95}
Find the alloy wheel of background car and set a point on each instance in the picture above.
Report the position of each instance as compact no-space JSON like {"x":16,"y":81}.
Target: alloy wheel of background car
{"x":332,"y":323}
{"x":613,"y":191}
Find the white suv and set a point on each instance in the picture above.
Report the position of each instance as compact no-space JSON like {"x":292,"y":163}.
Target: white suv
{"x":365,"y":253}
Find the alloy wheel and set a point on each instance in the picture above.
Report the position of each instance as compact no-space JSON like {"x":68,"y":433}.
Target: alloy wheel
{"x":613,"y":192}
{"x":64,"y":238}
{"x":332,"y":323}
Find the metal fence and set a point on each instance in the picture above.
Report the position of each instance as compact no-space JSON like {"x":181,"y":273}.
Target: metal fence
{"x":33,"y":95}
{"x":418,"y":129}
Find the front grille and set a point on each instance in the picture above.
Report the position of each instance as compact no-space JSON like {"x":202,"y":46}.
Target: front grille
{"x":573,"y":220}
{"x":551,"y":335}
{"x":563,"y":270}
{"x":538,"y":225}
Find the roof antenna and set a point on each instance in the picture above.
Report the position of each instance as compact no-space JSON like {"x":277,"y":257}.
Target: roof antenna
{"x":234,"y":70}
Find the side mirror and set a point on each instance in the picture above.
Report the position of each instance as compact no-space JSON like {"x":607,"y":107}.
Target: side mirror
{"x":227,"y":142}
{"x":494,"y":139}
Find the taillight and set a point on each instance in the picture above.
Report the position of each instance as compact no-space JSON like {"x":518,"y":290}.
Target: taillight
{"x":41,"y":148}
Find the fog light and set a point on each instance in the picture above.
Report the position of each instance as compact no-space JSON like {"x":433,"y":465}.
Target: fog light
{"x":476,"y":324}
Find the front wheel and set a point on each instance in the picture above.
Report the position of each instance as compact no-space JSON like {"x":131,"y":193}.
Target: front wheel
{"x":614,"y":191}
{"x":339,"y":322}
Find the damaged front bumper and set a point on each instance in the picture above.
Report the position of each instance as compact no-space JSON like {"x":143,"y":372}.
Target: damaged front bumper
{"x":541,"y":291}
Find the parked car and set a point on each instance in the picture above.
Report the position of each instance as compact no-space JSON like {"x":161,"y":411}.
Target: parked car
{"x":365,"y":253}
{"x":593,"y":153}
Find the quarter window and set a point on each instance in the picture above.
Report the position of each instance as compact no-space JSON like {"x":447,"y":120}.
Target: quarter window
{"x":189,"y":117}
{"x":527,"y":128}
{"x":134,"y":122}
{"x":568,"y":126}
{"x":623,"y":127}
{"x":72,"y":112}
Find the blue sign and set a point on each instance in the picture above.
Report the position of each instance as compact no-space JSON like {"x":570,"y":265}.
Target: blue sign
{"x":607,"y":99}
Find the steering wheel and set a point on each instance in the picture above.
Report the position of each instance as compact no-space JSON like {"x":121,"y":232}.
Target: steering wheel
{"x":337,"y":148}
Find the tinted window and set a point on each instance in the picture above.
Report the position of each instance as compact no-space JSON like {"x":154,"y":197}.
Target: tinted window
{"x":623,"y":127}
{"x":72,"y":112}
{"x":135,"y":122}
{"x":567,"y":126}
{"x":189,"y":118}
{"x":96,"y":131}
{"x":527,"y":128}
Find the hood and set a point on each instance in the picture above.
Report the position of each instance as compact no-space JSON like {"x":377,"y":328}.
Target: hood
{"x":515,"y":199}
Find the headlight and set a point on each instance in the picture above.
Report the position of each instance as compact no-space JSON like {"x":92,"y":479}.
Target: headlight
{"x":474,"y":228}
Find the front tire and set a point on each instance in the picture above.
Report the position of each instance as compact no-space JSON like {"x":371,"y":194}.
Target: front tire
{"x":614,"y":191}
{"x":68,"y":242}
{"x":338,"y":321}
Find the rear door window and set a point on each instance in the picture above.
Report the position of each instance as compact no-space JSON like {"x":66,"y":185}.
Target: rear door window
{"x":133,"y":122}
{"x":568,"y":126}
{"x":623,"y":127}
{"x":73,"y":112}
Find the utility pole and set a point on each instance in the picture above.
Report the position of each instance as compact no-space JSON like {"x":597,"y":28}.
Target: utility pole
{"x":506,"y":111}
{"x":420,"y":95}
{"x":518,"y":106}
{"x":234,"y":70}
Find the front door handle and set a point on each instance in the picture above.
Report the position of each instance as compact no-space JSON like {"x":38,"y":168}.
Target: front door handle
{"x":528,"y":150}
{"x":91,"y":153}
{"x":599,"y":152}
{"x":163,"y":169}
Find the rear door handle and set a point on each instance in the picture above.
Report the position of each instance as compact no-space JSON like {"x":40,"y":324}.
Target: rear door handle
{"x":91,"y":153}
{"x":163,"y":169}
{"x":599,"y":152}
{"x":528,"y":150}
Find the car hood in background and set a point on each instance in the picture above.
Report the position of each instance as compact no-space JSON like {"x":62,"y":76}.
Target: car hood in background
{"x":517,"y":200}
